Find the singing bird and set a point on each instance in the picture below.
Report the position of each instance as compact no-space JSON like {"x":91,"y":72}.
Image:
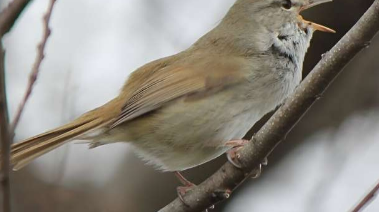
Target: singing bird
{"x":189,"y":108}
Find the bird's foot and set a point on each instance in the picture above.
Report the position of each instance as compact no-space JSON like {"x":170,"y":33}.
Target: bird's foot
{"x":233,"y":155}
{"x":182,"y":190}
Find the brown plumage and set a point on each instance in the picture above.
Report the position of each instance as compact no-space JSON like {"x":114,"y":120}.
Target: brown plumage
{"x":180,"y":111}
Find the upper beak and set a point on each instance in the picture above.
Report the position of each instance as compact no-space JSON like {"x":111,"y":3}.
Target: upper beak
{"x":313,"y":3}
{"x":315,"y":26}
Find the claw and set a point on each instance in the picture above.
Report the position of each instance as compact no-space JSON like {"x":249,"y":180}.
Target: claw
{"x":182,"y":190}
{"x":233,"y":157}
{"x":265,"y":162}
{"x":256,"y":173}
{"x":232,"y":154}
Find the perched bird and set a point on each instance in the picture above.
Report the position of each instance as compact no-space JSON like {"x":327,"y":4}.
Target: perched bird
{"x":184,"y":110}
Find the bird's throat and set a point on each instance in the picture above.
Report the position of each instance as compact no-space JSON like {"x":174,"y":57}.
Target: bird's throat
{"x":291,"y":43}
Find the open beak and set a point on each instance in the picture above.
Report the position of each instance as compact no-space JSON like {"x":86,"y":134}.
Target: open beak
{"x":315,"y":26}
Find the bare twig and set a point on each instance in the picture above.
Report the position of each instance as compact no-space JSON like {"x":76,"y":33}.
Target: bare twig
{"x":7,"y":19}
{"x":36,"y":66}
{"x":367,"y":199}
{"x":275,"y":130}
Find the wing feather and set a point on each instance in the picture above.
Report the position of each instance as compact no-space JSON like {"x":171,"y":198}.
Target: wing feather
{"x":160,"y":86}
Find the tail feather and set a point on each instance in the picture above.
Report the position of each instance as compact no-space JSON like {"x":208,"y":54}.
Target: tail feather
{"x":24,"y":152}
{"x":43,"y":137}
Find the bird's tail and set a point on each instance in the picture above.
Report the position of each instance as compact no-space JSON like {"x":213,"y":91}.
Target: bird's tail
{"x":24,"y":152}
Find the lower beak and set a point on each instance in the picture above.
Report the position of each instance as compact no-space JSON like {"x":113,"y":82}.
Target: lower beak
{"x":315,"y":26}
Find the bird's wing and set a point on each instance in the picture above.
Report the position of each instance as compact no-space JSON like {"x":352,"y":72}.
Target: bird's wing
{"x":156,"y":84}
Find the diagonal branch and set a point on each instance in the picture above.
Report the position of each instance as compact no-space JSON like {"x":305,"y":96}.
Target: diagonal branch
{"x":367,"y":199}
{"x":276,"y":129}
{"x":36,"y":66}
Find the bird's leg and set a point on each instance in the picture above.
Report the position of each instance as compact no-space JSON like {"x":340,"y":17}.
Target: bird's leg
{"x":232,"y":154}
{"x":187,"y":185}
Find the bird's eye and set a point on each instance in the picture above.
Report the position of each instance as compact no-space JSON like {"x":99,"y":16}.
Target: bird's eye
{"x":287,"y":4}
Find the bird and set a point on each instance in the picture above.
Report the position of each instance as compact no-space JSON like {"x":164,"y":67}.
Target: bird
{"x":184,"y":110}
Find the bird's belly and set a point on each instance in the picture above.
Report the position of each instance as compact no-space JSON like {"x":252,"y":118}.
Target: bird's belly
{"x":178,"y":139}
{"x":188,"y":133}
{"x":187,"y":145}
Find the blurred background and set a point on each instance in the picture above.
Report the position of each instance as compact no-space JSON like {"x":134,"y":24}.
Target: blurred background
{"x":327,"y":163}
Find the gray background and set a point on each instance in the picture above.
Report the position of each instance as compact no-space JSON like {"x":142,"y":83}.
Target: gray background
{"x":327,"y":163}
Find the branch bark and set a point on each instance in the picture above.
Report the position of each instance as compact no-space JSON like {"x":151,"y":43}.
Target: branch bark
{"x":275,"y":130}
{"x":7,"y":19}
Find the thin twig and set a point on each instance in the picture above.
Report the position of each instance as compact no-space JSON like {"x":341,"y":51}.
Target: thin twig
{"x":367,"y":199}
{"x":8,"y":18}
{"x":228,"y":177}
{"x":36,"y":66}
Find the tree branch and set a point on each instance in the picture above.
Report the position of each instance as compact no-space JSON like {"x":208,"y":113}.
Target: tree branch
{"x":7,"y":19}
{"x":10,"y":14}
{"x":275,"y":130}
{"x":5,"y":138}
{"x":36,"y":66}
{"x":367,"y":199}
